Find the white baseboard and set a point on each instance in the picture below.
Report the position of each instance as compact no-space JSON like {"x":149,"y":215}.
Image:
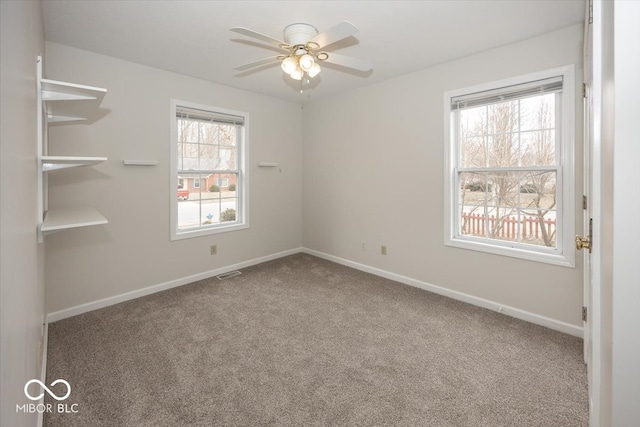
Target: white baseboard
{"x":527,"y":316}
{"x":460,"y":296}
{"x":116,"y":299}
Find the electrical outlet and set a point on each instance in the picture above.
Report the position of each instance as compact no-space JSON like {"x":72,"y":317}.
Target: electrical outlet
{"x":383,"y":249}
{"x":214,"y":249}
{"x":363,"y":246}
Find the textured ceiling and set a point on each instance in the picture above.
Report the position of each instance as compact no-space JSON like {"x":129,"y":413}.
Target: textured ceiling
{"x":398,"y":37}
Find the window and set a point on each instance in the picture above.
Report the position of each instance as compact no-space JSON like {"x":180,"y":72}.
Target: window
{"x":208,"y":145}
{"x":509,"y":157}
{"x":222,"y":182}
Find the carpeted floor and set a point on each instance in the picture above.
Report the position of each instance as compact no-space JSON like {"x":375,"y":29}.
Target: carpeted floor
{"x":301,"y":341}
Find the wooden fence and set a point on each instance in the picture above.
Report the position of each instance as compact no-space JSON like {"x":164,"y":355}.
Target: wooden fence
{"x":506,"y":228}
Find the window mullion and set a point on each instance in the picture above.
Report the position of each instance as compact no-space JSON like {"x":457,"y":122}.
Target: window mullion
{"x":551,"y":168}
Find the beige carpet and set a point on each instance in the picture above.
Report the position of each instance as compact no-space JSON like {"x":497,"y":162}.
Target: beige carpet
{"x":301,"y":341}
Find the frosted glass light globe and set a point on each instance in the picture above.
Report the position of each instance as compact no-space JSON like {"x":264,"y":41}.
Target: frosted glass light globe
{"x":297,"y":74}
{"x":289,"y":65}
{"x":306,"y":62}
{"x":314,"y":70}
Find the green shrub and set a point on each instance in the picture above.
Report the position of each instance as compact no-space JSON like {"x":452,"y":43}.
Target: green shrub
{"x":232,"y":187}
{"x":214,"y":189}
{"x":228,"y":215}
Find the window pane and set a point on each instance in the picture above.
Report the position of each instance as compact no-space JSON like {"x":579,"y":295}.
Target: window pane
{"x":472,"y":152}
{"x":472,"y":220}
{"x":189,"y":197}
{"x":228,"y":158}
{"x":503,"y":224}
{"x":503,"y":149}
{"x":187,"y":156}
{"x":538,"y":148}
{"x":538,"y":112}
{"x":472,"y":188}
{"x":503,"y":203}
{"x":187,"y":130}
{"x":209,"y":159}
{"x":538,"y":206}
{"x":504,"y":189}
{"x":473,"y":121}
{"x":538,"y":190}
{"x":503,"y":117}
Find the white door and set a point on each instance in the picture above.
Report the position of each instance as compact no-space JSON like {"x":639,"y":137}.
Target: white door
{"x":593,"y":114}
{"x":587,"y":175}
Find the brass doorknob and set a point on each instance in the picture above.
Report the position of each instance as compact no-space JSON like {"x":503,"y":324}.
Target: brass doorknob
{"x":583,"y":243}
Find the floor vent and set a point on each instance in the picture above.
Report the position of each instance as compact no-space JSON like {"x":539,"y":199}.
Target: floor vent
{"x":228,"y":275}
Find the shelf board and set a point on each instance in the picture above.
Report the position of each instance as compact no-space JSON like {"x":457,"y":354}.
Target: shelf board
{"x":51,"y":163}
{"x":140,"y":162}
{"x":62,"y":219}
{"x":68,"y":103}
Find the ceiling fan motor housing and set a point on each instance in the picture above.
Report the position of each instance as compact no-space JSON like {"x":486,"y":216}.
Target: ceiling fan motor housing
{"x":299,"y":34}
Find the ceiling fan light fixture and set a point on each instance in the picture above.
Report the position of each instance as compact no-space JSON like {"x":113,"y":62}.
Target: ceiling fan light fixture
{"x":302,"y":57}
{"x":314,"y":71}
{"x":289,"y":65}
{"x":306,"y":62}
{"x":297,"y":74}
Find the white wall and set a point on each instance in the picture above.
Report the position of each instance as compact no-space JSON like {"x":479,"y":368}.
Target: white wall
{"x":133,"y":251}
{"x":373,"y":172}
{"x":21,"y":258}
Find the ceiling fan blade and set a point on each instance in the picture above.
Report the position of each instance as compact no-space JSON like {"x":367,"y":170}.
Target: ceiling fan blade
{"x":256,"y":63}
{"x":349,"y":62}
{"x":334,"y":34}
{"x":259,"y":36}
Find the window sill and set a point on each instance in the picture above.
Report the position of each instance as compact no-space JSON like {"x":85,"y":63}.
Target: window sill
{"x":208,"y":231}
{"x":552,"y":257}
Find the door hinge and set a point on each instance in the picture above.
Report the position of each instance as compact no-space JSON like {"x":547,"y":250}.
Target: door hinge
{"x":584,"y":90}
{"x":584,"y":202}
{"x":590,"y":11}
{"x":584,"y":314}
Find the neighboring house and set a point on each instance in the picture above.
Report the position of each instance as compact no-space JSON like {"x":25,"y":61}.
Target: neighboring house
{"x":204,"y":183}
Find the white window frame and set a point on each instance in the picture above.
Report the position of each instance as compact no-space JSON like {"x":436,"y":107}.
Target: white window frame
{"x":219,"y":182}
{"x":242,"y":184}
{"x":196,"y":180}
{"x":564,"y":253}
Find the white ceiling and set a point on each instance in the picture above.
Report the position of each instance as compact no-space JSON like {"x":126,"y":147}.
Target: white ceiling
{"x":193,"y":37}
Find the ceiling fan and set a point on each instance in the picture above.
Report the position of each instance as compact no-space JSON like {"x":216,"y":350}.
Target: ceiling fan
{"x":303,"y":48}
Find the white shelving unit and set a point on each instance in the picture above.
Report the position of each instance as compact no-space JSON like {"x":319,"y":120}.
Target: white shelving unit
{"x":69,"y":103}
{"x":62,"y":219}
{"x":51,"y":163}
{"x":62,"y":103}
